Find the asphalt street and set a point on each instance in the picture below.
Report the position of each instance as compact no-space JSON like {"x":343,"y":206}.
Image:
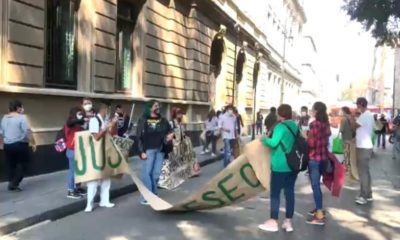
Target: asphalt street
{"x":130,"y":220}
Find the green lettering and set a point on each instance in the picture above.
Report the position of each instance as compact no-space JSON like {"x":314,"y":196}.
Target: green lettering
{"x":228,"y":192}
{"x":190,"y":205}
{"x":93,"y":152}
{"x":116,"y":165}
{"x":207,"y":196}
{"x":245,"y":178}
{"x":81,"y":172}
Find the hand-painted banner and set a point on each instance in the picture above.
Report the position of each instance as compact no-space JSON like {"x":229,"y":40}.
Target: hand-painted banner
{"x":97,"y":159}
{"x":247,"y":175}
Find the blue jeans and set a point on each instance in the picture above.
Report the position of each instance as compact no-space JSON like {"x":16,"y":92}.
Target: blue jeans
{"x":151,"y":170}
{"x":316,"y":170}
{"x":71,"y":173}
{"x":228,"y":147}
{"x":285,"y":181}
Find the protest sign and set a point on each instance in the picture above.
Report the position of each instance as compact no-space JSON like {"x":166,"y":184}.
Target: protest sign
{"x":247,"y":175}
{"x":97,"y":159}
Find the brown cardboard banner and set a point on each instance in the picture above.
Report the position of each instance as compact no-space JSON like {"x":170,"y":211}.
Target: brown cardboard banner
{"x":247,"y":175}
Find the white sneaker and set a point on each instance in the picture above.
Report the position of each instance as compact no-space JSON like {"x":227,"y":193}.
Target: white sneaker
{"x":107,"y":205}
{"x":207,"y":151}
{"x":213,"y":155}
{"x":88,"y":209}
{"x":203,"y":152}
{"x":287,"y":225}
{"x":370,"y":199}
{"x":269,"y":226}
{"x":361,"y":201}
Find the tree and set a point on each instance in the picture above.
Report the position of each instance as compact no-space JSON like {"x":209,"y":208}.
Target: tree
{"x":382,"y":17}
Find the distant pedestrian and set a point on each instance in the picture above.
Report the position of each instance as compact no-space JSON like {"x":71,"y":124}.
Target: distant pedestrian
{"x":364,"y":125}
{"x":318,"y":140}
{"x":153,"y":132}
{"x":123,"y":121}
{"x":259,"y":123}
{"x":239,"y":122}
{"x":212,"y":133}
{"x":74,"y":124}
{"x":396,"y":138}
{"x":99,"y":128}
{"x":87,"y":106}
{"x":16,"y":137}
{"x":227,"y":124}
{"x":282,"y":176}
{"x":271,"y":120}
{"x":304,"y":119}
{"x":381,"y":134}
{"x":348,"y":134}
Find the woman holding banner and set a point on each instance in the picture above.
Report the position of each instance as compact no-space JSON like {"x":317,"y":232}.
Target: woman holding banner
{"x":282,"y":177}
{"x":99,"y":128}
{"x":181,"y":162}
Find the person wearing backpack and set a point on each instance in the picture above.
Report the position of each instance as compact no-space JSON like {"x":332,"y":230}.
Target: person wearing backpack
{"x":75,"y":122}
{"x":282,"y":176}
{"x":318,"y":140}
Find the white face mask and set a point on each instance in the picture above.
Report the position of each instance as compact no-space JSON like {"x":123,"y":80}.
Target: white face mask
{"x":303,"y":114}
{"x":79,"y":116}
{"x":21,"y":111}
{"x":230,"y":112}
{"x":87,"y":107}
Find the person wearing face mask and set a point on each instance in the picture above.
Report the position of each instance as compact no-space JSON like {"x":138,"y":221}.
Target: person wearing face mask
{"x":227,"y":125}
{"x":304,"y":119}
{"x":153,"y":133}
{"x":99,"y":127}
{"x":74,"y":124}
{"x":87,"y":106}
{"x":16,"y":136}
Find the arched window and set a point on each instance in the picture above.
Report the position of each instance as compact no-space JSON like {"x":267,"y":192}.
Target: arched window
{"x":217,"y":52}
{"x":240,"y":61}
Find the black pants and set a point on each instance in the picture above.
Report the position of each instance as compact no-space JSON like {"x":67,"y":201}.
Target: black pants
{"x":17,"y":159}
{"x":211,"y":138}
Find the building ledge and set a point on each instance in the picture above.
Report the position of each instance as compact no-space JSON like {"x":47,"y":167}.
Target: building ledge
{"x":74,"y":93}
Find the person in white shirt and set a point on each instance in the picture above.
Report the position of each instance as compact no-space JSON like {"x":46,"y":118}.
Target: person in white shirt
{"x":99,"y":127}
{"x":227,"y":125}
{"x":212,"y":133}
{"x":365,"y":126}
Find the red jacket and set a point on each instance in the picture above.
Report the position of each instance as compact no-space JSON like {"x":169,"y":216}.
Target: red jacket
{"x":335,"y":181}
{"x":70,"y":135}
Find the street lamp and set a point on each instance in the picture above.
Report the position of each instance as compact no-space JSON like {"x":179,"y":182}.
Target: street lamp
{"x":237,"y":31}
{"x":256,"y":71}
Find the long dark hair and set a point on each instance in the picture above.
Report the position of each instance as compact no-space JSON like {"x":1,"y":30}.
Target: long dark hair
{"x":73,"y":111}
{"x":211,"y":114}
{"x":346,"y":110}
{"x":320,"y":112}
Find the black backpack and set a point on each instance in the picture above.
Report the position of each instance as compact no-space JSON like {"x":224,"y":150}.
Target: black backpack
{"x":298,"y":157}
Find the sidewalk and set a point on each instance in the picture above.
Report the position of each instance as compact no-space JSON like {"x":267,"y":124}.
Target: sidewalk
{"x":44,"y":197}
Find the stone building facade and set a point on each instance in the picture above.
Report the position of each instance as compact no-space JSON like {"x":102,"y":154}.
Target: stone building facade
{"x":54,"y":52}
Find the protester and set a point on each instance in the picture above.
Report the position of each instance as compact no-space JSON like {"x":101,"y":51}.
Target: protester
{"x":227,"y":125}
{"x":212,"y":133}
{"x":381,"y":134}
{"x":282,"y":177}
{"x":304,"y":119}
{"x":99,"y":127}
{"x":259,"y":123}
{"x":87,"y":106}
{"x":16,"y":138}
{"x":181,"y":163}
{"x":318,"y":140}
{"x":123,"y":121}
{"x":239,"y":122}
{"x":75,"y":122}
{"x":270,"y":120}
{"x":153,"y":132}
{"x":364,"y":125}
{"x":348,"y":134}
{"x":396,"y":139}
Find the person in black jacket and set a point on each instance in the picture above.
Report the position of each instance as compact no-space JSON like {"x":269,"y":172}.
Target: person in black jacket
{"x":271,"y":120}
{"x":154,"y":133}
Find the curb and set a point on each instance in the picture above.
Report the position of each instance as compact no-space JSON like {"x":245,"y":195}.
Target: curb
{"x":77,"y":206}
